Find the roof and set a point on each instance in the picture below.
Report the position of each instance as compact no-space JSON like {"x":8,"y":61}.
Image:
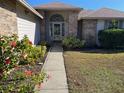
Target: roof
{"x":84,"y":13}
{"x":25,"y":4}
{"x":102,"y":13}
{"x":56,"y":6}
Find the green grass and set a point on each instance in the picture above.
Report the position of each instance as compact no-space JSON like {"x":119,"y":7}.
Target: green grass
{"x":95,"y":71}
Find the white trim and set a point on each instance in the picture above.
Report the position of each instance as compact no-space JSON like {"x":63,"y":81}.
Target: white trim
{"x":24,"y":3}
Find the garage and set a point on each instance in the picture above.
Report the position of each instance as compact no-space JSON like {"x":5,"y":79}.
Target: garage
{"x":28,"y":24}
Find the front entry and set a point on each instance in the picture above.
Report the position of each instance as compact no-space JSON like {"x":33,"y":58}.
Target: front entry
{"x":57,"y":31}
{"x":56,"y":27}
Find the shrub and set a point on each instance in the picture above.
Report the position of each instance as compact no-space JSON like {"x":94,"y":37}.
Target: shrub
{"x":30,"y":53}
{"x":72,"y":42}
{"x":9,"y":53}
{"x":21,"y":82}
{"x":14,"y":52}
{"x":44,"y":49}
{"x":111,"y":38}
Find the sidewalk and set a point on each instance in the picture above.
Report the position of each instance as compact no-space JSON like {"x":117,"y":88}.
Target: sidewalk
{"x":54,"y":67}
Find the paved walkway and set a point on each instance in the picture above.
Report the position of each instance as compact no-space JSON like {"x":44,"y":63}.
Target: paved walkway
{"x":54,"y":67}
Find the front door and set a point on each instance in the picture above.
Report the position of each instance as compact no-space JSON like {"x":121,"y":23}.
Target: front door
{"x":57,"y":31}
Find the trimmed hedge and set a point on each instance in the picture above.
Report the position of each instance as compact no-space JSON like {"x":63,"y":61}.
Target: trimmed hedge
{"x":111,"y":38}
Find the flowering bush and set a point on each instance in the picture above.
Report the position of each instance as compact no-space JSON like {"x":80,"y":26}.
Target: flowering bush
{"x":9,"y":52}
{"x":29,"y":53}
{"x":14,"y":52}
{"x":21,"y":82}
{"x":15,"y":57}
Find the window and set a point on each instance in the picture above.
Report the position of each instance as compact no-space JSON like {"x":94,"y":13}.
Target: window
{"x":113,"y":24}
{"x":57,"y":18}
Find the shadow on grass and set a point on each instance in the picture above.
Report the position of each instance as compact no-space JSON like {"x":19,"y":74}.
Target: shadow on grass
{"x":97,"y":50}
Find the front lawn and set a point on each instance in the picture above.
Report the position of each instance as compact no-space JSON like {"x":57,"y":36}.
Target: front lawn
{"x":95,"y":71}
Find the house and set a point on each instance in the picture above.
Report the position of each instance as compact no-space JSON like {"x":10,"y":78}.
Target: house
{"x":55,"y":21}
{"x":91,"y":22}
{"x":61,"y":20}
{"x":18,"y":17}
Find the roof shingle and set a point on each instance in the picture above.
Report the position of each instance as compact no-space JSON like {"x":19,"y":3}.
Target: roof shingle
{"x":56,"y":6}
{"x":101,"y":13}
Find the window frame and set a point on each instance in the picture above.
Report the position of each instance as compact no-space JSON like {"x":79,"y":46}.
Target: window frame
{"x":108,"y":25}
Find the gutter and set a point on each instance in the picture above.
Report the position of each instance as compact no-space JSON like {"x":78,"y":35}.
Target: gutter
{"x":82,"y":18}
{"x":24,"y":3}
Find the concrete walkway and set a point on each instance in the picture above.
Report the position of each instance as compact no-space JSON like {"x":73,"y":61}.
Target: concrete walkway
{"x":54,"y":67}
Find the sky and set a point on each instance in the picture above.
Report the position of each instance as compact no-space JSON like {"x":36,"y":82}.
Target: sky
{"x":86,"y":4}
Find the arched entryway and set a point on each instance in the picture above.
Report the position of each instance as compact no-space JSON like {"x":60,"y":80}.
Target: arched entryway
{"x":56,"y":27}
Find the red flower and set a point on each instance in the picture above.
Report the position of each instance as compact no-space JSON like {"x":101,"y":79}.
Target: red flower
{"x":7,"y":61}
{"x":13,"y":44}
{"x":30,"y":42}
{"x":28,"y":73}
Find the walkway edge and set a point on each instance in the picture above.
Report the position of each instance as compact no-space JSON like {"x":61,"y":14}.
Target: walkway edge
{"x":42,"y":70}
{"x":65,"y":69}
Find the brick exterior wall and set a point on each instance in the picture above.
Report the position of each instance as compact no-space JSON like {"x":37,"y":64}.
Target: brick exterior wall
{"x":89,"y":28}
{"x":8,"y":18}
{"x":73,"y":23}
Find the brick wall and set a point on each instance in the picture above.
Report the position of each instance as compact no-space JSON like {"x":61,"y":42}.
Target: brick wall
{"x":8,"y":20}
{"x":73,"y":23}
{"x":89,"y":32}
